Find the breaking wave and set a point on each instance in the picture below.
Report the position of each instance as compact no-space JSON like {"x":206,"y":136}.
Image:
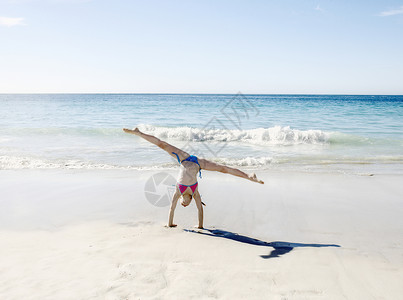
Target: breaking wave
{"x":260,"y":136}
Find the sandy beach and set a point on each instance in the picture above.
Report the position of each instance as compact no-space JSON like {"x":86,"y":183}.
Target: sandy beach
{"x":93,"y":235}
{"x":110,"y":111}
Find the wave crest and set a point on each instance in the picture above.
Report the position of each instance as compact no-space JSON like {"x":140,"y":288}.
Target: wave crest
{"x":276,"y":135}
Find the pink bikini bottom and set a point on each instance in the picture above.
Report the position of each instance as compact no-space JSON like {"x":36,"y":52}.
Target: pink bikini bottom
{"x":183,"y":187}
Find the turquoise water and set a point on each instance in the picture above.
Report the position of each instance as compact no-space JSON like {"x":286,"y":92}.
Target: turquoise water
{"x":310,"y":132}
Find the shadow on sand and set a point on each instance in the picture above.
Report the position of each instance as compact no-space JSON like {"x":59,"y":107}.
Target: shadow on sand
{"x":280,"y":248}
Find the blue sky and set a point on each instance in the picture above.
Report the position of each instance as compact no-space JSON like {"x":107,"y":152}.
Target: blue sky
{"x":220,"y":46}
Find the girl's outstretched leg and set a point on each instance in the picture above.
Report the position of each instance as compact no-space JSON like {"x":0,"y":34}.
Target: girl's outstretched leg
{"x":156,"y":141}
{"x":212,"y":166}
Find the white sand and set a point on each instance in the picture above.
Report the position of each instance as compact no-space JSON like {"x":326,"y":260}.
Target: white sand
{"x":87,"y":235}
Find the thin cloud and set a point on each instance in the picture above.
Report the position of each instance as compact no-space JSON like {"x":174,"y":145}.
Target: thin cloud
{"x":392,"y":12}
{"x":48,"y":1}
{"x":10,"y":22}
{"x":318,"y":8}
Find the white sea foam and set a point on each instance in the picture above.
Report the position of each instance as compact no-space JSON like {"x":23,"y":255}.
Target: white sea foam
{"x":245,"y":162}
{"x":260,"y":136}
{"x":25,"y":162}
{"x":93,"y":150}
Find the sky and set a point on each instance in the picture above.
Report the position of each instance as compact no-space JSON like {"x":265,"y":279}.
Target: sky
{"x":209,"y":46}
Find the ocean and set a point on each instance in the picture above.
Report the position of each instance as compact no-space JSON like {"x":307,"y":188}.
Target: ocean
{"x":331,"y":133}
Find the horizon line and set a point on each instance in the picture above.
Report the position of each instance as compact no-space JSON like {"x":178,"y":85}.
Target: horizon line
{"x":178,"y":93}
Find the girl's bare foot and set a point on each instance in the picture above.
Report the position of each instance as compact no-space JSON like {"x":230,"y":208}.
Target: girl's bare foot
{"x":253,"y":177}
{"x":132,"y":131}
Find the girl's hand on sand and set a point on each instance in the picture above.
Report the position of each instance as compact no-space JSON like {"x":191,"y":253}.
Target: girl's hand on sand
{"x":253,"y":177}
